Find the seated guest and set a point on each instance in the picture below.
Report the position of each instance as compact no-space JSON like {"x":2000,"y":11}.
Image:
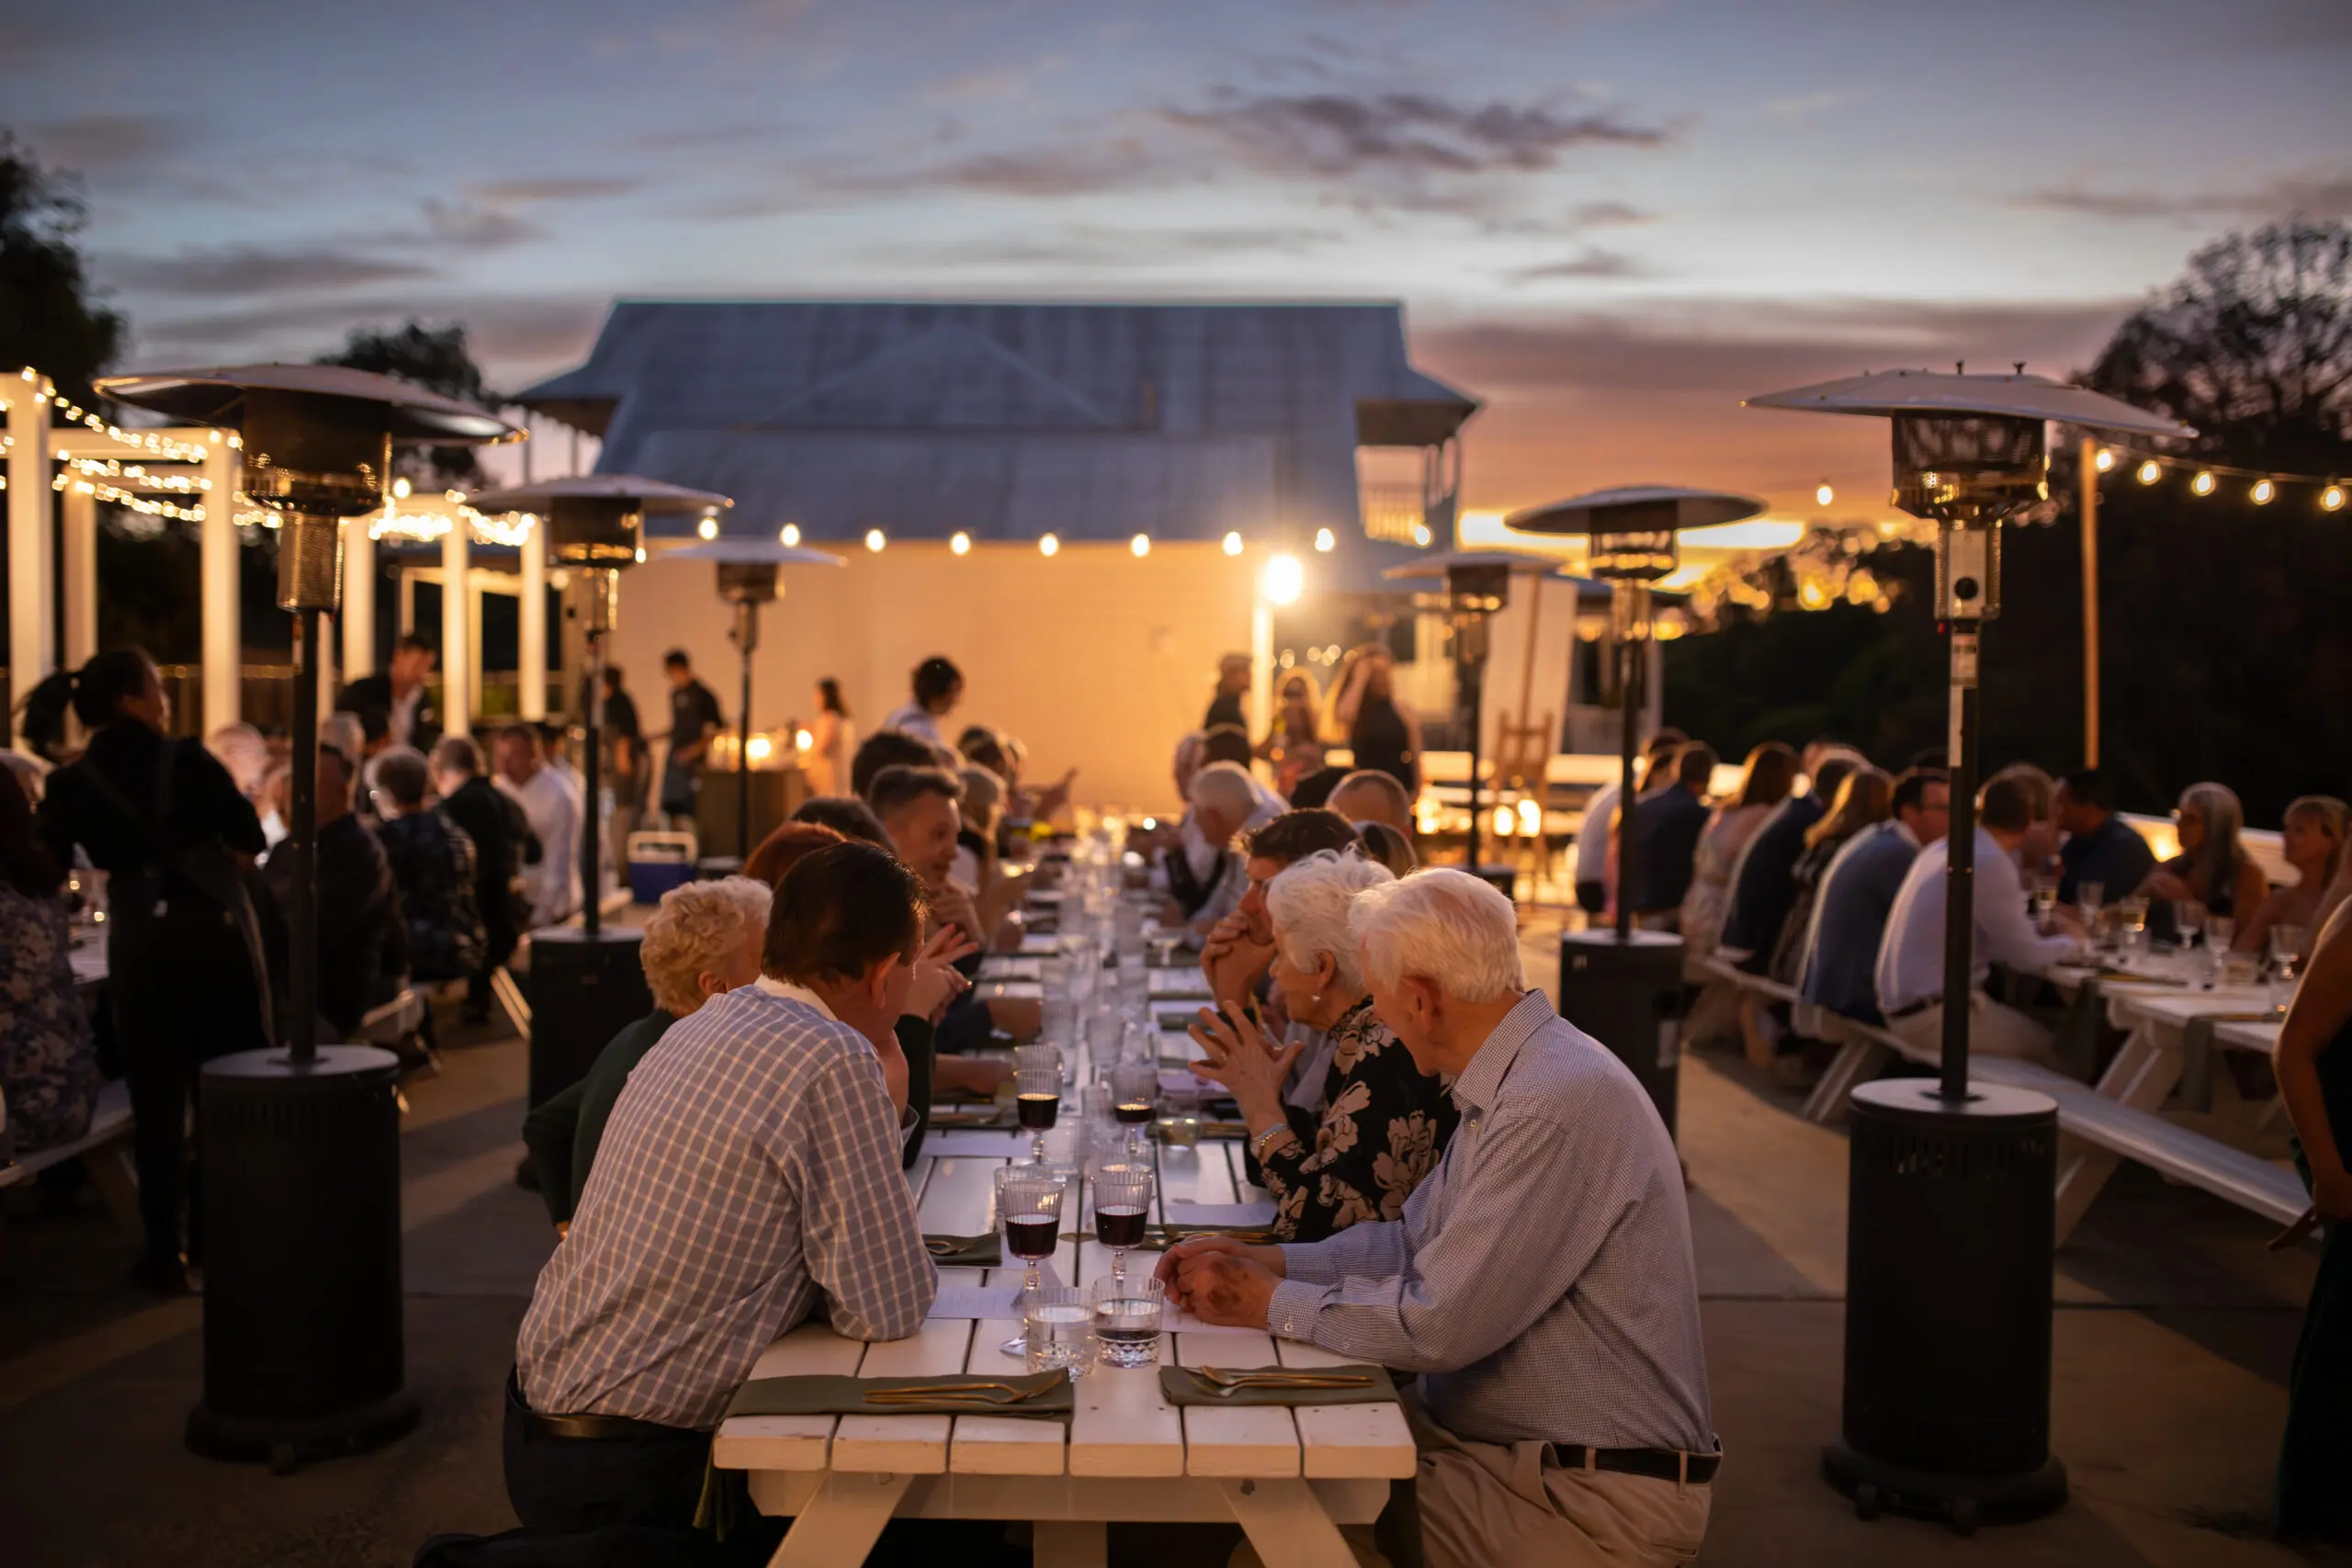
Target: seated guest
{"x":1593,"y":837}
{"x":2100,"y":848}
{"x":1667,"y":820}
{"x":1240,"y":947}
{"x":2213,"y":867}
{"x":49,"y":1063}
{"x":433,"y":866}
{"x":1369,"y":794}
{"x":1384,"y":1120}
{"x":1764,"y":779}
{"x":889,"y":748}
{"x":551,"y":806}
{"x":1226,"y":803}
{"x":361,"y":933}
{"x":1540,"y":1281}
{"x":1233,"y":675}
{"x":1850,"y":913}
{"x":1385,"y":845}
{"x":1864,"y":800}
{"x":845,"y":815}
{"x":1316,"y":788}
{"x":782,"y":850}
{"x":755,"y":1168}
{"x":705,"y":941}
{"x":1911,"y":958}
{"x":976,"y":835}
{"x":1227,"y":744}
{"x":503,"y":843}
{"x":1763,"y":884}
{"x":918,"y":807}
{"x":938,"y":686}
{"x":2311,"y":840}
{"x":240,"y":749}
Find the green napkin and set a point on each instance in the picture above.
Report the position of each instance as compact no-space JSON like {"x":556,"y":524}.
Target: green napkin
{"x":965,"y":1251}
{"x":987,"y":1118}
{"x":1186,"y":1385}
{"x":1040,"y":1396}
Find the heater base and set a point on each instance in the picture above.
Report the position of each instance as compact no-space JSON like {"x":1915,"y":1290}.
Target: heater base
{"x":1964,"y":1502}
{"x":285,"y":1442}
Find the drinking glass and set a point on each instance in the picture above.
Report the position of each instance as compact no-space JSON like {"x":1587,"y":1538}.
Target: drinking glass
{"x":1127,"y":1315}
{"x":1164,"y":942}
{"x":2045,"y":898}
{"x":1135,"y":1094}
{"x":1122,"y":1213}
{"x":1057,"y":1330}
{"x":2286,"y":964}
{"x":1037,"y":1099}
{"x":2090,"y":898}
{"x":1029,"y":1207}
{"x":2132,"y":920}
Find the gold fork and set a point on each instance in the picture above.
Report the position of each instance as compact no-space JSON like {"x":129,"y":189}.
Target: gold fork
{"x":1278,"y":1377}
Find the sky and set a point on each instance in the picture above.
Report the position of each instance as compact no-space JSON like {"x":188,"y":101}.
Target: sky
{"x":1610,"y":219}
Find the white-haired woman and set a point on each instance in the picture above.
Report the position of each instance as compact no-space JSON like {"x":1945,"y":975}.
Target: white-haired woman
{"x":1385,"y":1121}
{"x":704,"y":939}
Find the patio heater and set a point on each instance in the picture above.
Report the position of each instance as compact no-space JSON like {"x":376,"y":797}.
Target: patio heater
{"x":303,"y":1347}
{"x":1951,"y":1183}
{"x":1623,"y":985}
{"x":585,"y":981}
{"x":747,"y":580}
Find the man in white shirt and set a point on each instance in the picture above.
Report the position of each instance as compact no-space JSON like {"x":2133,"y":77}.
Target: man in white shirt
{"x":1911,"y":957}
{"x":551,"y":806}
{"x":938,"y":687}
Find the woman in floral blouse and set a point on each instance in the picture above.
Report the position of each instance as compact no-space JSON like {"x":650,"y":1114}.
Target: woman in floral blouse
{"x":49,"y":1068}
{"x":1384,"y":1120}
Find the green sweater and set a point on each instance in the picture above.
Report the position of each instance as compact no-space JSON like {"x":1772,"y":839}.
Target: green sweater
{"x":562,"y":1133}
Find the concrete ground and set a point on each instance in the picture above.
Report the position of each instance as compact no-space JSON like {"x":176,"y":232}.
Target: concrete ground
{"x":2174,"y":1331}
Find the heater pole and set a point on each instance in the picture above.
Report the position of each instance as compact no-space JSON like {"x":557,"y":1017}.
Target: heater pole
{"x":302,"y":969}
{"x":1629,"y":691}
{"x":1959,"y":874}
{"x":747,"y":620}
{"x":592,"y":915}
{"x":1472,"y":676}
{"x":2089,"y":466}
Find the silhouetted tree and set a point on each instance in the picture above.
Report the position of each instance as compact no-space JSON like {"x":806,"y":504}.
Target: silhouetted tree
{"x":49,"y":318}
{"x":437,"y":360}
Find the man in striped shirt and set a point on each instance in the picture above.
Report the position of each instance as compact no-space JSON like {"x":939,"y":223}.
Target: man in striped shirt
{"x":1540,"y":1281}
{"x":750,"y":1167}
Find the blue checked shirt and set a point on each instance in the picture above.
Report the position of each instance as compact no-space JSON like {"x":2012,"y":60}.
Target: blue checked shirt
{"x":1541,"y":1279}
{"x":752,"y":1163}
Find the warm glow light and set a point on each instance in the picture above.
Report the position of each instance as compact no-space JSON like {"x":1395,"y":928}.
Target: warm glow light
{"x":1233,"y":544}
{"x":708,"y":527}
{"x":1823,"y":495}
{"x":2263,"y":491}
{"x":2202,"y":484}
{"x":400,"y":489}
{"x":789,"y":534}
{"x":640,"y":555}
{"x":2105,"y":460}
{"x":1324,"y":541}
{"x":1531,"y":818}
{"x":1049,"y":546}
{"x":961,"y":543}
{"x":1422,"y":535}
{"x":760,"y":747}
{"x":2150,"y":471}
{"x":803,"y":739}
{"x":875,"y":541}
{"x":1284,"y":581}
{"x":2332,"y":499}
{"x":1140,"y":545}
{"x":1812,"y":594}
{"x":1505,"y":822}
{"x":1757,"y":534}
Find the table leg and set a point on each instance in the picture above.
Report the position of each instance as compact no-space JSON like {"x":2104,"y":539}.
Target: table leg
{"x":2142,"y":1076}
{"x":1286,"y":1523}
{"x":841,"y":1522}
{"x":1071,"y":1543}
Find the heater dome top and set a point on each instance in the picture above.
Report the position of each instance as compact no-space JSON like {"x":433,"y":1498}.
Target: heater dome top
{"x":1635,"y":509}
{"x":218,"y":396}
{"x":651,"y":495}
{"x":1434,"y":566}
{"x":752,"y":552}
{"x":1930,"y":393}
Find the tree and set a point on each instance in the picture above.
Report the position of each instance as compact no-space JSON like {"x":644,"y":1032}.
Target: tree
{"x":48,"y":316}
{"x":437,"y":361}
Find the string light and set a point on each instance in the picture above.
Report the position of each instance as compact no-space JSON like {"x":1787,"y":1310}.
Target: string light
{"x":2150,"y":471}
{"x":875,"y":541}
{"x":708,"y":527}
{"x":162,"y":446}
{"x":2205,"y":480}
{"x":1324,"y":541}
{"x":401,"y":487}
{"x":2202,"y":484}
{"x":789,"y":535}
{"x":1141,"y":545}
{"x":1284,"y":581}
{"x":1823,"y":495}
{"x":961,"y":543}
{"x":2262,"y":492}
{"x":1049,"y":545}
{"x":2105,"y":460}
{"x":2332,"y":499}
{"x":1233,"y":544}
{"x":1422,"y":535}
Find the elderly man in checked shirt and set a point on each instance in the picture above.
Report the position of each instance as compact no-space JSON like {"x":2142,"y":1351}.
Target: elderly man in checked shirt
{"x":750,"y":1166}
{"x":1539,"y":1282}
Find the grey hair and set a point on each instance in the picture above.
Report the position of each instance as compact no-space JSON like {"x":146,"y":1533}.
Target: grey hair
{"x":400,"y":772}
{"x":240,"y":749}
{"x":1444,"y":926}
{"x":698,"y":927}
{"x":1309,"y":904}
{"x":2223,"y":852}
{"x":1224,"y":786}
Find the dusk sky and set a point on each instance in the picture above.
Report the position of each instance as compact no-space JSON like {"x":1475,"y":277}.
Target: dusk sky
{"x":1609,"y":218}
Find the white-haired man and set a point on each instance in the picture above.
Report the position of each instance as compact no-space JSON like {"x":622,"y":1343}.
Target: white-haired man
{"x":1226,"y":803}
{"x":1539,"y":1279}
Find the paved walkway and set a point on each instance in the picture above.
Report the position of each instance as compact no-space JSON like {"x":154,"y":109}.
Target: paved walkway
{"x":2173,"y":1338}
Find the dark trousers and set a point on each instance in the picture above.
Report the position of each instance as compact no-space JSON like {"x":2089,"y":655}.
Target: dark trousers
{"x":651,"y":1477}
{"x":182,"y":991}
{"x":1592,"y":898}
{"x":499,"y":941}
{"x":2315,"y":1500}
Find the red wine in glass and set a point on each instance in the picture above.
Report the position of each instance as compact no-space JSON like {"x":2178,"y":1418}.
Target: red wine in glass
{"x":1037,"y":1110}
{"x":1031,"y":1236}
{"x":1132,"y":1112}
{"x":1120,"y":1225}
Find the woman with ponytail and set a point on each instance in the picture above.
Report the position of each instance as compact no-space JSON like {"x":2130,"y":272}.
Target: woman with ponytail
{"x":186,"y":983}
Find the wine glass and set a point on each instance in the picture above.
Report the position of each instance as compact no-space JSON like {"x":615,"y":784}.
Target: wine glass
{"x":1134,"y":1088}
{"x":2045,"y":898}
{"x":1037,"y":1099}
{"x":2090,"y":898}
{"x":1121,"y":1214}
{"x":2286,"y":964}
{"x":2132,"y":920}
{"x":1029,"y":1205}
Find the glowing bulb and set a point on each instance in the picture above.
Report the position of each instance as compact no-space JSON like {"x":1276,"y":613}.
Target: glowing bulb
{"x":1140,"y":545}
{"x":1284,"y":581}
{"x":1531,"y":818}
{"x":2332,"y":499}
{"x":2150,"y":472}
{"x":789,"y":535}
{"x":803,"y":739}
{"x":1421,"y":533}
{"x":640,"y":555}
{"x":2202,"y":484}
{"x":708,"y":527}
{"x":760,"y":747}
{"x":2105,"y":460}
{"x":400,"y":489}
{"x":1505,"y":822}
{"x":1233,"y":544}
{"x":1324,"y":540}
{"x":875,"y":541}
{"x":2263,"y":491}
{"x":1049,"y":546}
{"x":961,"y":543}
{"x":1823,"y":495}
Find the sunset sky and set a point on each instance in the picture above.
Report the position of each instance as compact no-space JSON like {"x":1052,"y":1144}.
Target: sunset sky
{"x":1611,"y":219}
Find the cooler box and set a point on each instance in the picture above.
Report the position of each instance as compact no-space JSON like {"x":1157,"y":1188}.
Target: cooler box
{"x":659,"y":861}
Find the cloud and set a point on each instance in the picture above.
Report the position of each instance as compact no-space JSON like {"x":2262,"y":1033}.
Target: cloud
{"x":2313,"y":194}
{"x":101,"y":143}
{"x":1089,"y":245}
{"x":554,"y":187}
{"x":255,"y":269}
{"x":1336,"y":134}
{"x":509,"y":335}
{"x":1591,"y":263}
{"x":1805,"y":106}
{"x":470,"y":223}
{"x":1608,"y":215}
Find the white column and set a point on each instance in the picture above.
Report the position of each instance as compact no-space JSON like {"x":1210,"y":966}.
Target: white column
{"x":473,"y":641}
{"x":31,"y":633}
{"x":358,"y":617}
{"x":327,"y":677}
{"x":80,"y":509}
{"x":532,"y":624}
{"x":223,"y":612}
{"x":1261,"y":656}
{"x":458,"y":667}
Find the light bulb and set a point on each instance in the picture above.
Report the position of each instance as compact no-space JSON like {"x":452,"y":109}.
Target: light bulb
{"x":789,"y":534}
{"x":708,"y":527}
{"x":1284,"y":581}
{"x":400,"y":489}
{"x":1422,"y":535}
{"x":1140,"y":545}
{"x":640,"y":555}
{"x":2332,"y":499}
{"x":2263,"y":491}
{"x":2105,"y":460}
{"x":1049,"y":546}
{"x":760,"y":747}
{"x":875,"y":541}
{"x":1324,"y":541}
{"x":1823,"y":495}
{"x":803,"y":739}
{"x":2202,"y":484}
{"x":1233,"y":544}
{"x":961,"y":543}
{"x":2150,"y":471}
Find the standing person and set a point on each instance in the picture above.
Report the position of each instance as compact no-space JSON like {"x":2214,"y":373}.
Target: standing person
{"x":2314,"y":1067}
{"x":2100,"y":847}
{"x":552,"y":882}
{"x":938,"y":686}
{"x":625,"y":767}
{"x":832,"y":740}
{"x":694,"y":718}
{"x":433,"y":866}
{"x":2311,"y":841}
{"x":400,"y":695}
{"x":48,"y":1064}
{"x":1232,"y":677}
{"x":1382,"y":728}
{"x":167,"y":825}
{"x":1294,"y":743}
{"x":503,"y":842}
{"x":1839,"y":966}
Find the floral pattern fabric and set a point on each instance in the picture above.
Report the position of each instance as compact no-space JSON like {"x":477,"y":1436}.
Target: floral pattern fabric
{"x":48,"y":1065}
{"x":1383,"y":1125}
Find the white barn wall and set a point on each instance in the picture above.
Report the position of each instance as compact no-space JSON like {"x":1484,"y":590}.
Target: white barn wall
{"x":1093,"y":657}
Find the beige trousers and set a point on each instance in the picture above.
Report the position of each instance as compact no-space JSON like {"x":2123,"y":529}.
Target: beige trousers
{"x":1995,"y":1029}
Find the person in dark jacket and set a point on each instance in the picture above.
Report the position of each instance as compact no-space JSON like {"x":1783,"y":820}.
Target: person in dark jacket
{"x":170,"y":827}
{"x":1763,"y":885}
{"x":398,"y":698}
{"x":503,"y":844}
{"x":362,"y":937}
{"x":1667,"y":821}
{"x":432,"y":865}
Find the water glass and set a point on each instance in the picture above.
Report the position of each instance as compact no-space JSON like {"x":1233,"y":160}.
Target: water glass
{"x":2091,"y":897}
{"x":2132,"y":920}
{"x":2045,"y":898}
{"x":1128,"y":1317}
{"x":1057,"y":1331}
